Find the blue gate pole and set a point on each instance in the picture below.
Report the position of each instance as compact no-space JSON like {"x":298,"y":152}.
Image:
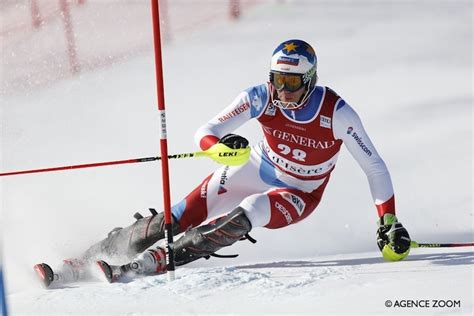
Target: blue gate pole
{"x":2,"y":294}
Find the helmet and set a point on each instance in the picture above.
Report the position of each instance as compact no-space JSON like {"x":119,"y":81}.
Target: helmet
{"x":293,"y":66}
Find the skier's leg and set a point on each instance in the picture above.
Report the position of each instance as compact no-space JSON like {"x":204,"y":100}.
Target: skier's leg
{"x":207,"y":239}
{"x":281,"y":207}
{"x":196,"y":243}
{"x":130,"y":240}
{"x":275,"y":208}
{"x":272,"y":209}
{"x":220,"y":193}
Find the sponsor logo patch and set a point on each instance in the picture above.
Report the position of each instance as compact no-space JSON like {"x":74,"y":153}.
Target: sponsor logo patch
{"x":222,"y":181}
{"x":240,"y":109}
{"x":299,"y":139}
{"x":359,"y":141}
{"x":271,"y":110}
{"x":325,"y":121}
{"x":284,"y":212}
{"x":288,"y":61}
{"x":204,"y":189}
{"x":295,"y":200}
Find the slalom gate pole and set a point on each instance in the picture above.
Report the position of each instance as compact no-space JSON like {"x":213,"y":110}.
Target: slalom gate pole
{"x":3,"y":301}
{"x":155,"y":10}
{"x":415,"y":244}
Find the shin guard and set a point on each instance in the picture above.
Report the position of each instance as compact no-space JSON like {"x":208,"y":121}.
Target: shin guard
{"x":205,"y":240}
{"x":133,"y":239}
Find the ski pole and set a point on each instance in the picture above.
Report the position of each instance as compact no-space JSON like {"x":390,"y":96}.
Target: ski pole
{"x":211,"y":153}
{"x":415,"y":244}
{"x":98,"y":164}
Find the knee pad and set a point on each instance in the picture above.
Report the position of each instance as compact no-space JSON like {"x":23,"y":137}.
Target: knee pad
{"x":205,"y":240}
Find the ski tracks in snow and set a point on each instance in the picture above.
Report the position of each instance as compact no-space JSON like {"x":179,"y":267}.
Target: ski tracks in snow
{"x":348,"y":283}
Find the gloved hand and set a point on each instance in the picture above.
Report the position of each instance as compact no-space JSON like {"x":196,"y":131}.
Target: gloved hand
{"x":234,"y":141}
{"x":231,"y":150}
{"x":392,"y":238}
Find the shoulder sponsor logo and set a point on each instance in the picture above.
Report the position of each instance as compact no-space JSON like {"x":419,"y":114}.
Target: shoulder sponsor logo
{"x":284,"y":212}
{"x":349,"y":130}
{"x":294,"y":200}
{"x":359,"y":141}
{"x":223,"y":181}
{"x":236,"y":111}
{"x":325,"y":121}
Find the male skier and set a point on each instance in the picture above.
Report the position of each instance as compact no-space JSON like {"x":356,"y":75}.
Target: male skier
{"x":304,"y":126}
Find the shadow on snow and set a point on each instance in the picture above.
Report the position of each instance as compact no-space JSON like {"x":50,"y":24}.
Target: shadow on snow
{"x":454,"y":258}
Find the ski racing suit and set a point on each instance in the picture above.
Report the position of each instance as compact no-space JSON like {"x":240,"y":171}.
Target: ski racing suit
{"x":285,"y":177}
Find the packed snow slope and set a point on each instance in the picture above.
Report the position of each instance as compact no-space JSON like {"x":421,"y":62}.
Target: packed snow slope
{"x":406,"y":67}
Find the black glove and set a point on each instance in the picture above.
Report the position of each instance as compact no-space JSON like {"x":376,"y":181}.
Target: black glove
{"x":234,"y":141}
{"x":392,"y":233}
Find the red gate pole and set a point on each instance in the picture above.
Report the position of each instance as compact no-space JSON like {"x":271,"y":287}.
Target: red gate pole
{"x":163,"y":139}
{"x":234,"y":9}
{"x":35,"y":14}
{"x":71,"y":43}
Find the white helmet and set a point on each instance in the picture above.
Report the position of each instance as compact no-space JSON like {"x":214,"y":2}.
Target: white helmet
{"x":293,"y":66}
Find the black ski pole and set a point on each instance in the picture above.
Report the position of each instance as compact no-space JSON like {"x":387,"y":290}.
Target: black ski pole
{"x":101,"y":164}
{"x":415,"y":244}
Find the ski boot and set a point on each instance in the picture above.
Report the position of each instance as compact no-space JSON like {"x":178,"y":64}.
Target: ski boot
{"x":72,"y":270}
{"x":45,"y":274}
{"x":151,"y":261}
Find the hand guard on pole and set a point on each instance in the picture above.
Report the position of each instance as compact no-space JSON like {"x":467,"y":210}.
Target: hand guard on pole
{"x":231,"y":150}
{"x":392,"y":238}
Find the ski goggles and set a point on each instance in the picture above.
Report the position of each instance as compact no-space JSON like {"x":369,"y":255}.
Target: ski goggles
{"x":288,"y":82}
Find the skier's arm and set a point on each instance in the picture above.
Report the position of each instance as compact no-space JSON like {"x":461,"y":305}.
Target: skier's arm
{"x":392,"y":238}
{"x":348,"y":127}
{"x":247,"y":105}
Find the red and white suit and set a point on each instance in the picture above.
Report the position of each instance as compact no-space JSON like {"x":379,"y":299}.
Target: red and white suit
{"x":287,"y":172}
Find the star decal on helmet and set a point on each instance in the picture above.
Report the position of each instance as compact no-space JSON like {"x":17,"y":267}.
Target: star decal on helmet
{"x":290,"y":47}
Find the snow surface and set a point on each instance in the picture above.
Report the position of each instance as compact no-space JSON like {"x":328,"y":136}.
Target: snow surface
{"x":406,"y":67}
